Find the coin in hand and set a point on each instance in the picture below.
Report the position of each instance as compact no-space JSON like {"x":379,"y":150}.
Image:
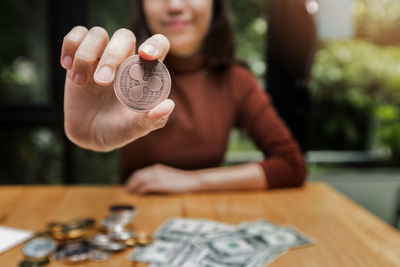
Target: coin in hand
{"x":140,"y":85}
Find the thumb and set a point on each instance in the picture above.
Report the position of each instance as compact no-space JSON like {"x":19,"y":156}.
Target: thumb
{"x":158,"y":116}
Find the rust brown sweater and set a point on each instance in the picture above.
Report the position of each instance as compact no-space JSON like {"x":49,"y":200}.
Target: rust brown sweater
{"x":197,"y":132}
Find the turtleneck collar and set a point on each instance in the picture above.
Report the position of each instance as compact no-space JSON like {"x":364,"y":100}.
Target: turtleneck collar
{"x":185,"y":64}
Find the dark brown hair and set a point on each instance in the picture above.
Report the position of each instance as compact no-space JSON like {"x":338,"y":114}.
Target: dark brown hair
{"x":219,"y":44}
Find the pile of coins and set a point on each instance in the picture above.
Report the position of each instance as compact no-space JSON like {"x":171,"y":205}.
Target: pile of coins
{"x":82,"y":240}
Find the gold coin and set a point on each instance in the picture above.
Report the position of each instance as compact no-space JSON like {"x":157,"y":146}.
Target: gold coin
{"x":75,"y":233}
{"x":143,"y":238}
{"x":131,"y":242}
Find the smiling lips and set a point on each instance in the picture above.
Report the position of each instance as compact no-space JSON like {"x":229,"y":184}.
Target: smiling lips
{"x":177,"y":24}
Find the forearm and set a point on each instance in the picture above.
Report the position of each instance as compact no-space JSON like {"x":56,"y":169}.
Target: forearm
{"x":241,"y":177}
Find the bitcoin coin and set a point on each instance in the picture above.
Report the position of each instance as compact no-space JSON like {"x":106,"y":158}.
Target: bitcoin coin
{"x":140,"y":85}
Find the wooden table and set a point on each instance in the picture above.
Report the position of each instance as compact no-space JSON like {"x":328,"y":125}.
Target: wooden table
{"x":346,"y":234}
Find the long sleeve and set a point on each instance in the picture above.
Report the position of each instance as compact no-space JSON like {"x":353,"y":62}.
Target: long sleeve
{"x":284,"y":165}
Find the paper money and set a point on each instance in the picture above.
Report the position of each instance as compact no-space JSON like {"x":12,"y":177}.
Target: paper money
{"x":197,"y":242}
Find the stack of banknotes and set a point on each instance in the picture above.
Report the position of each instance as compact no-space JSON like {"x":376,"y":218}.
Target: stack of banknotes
{"x":197,"y":242}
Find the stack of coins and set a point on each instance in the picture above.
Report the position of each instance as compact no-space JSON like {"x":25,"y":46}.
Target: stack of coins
{"x":81,"y":240}
{"x":79,"y":228}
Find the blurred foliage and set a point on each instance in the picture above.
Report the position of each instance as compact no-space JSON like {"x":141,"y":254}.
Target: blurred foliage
{"x":24,"y":58}
{"x":30,"y":155}
{"x":378,"y":20}
{"x":357,"y":72}
{"x":240,"y":141}
{"x":388,"y":128}
{"x":249,"y":18}
{"x":109,"y":14}
{"x":95,"y":168}
{"x":352,"y":79}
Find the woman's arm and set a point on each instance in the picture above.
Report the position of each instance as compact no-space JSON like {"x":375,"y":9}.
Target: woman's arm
{"x":284,"y":164}
{"x":163,"y":179}
{"x":245,"y":176}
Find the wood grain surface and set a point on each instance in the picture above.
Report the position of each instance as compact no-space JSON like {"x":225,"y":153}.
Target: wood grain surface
{"x":346,"y":234}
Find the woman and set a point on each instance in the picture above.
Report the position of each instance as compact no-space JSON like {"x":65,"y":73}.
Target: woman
{"x":210,"y":91}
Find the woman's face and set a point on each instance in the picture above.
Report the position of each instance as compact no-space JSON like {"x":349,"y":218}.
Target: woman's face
{"x":184,"y":22}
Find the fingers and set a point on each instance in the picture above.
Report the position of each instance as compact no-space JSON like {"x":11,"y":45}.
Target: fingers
{"x":121,"y":45}
{"x":82,"y":49}
{"x":70,"y":44}
{"x":141,"y":186}
{"x":156,"y":47}
{"x":159,"y":115}
{"x":134,"y":183}
{"x":161,"y":111}
{"x":90,"y":49}
{"x":156,"y":118}
{"x":144,"y":180}
{"x":148,"y":189}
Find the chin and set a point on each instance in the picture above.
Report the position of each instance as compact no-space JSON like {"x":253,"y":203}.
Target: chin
{"x":182,"y":53}
{"x":183,"y":49}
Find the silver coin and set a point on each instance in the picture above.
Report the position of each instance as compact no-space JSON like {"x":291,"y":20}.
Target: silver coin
{"x":113,"y":221}
{"x":116,"y":222}
{"x":121,"y":235}
{"x":98,"y":255}
{"x":127,"y":211}
{"x":99,"y":240}
{"x":76,"y":253}
{"x":125,"y":217}
{"x":39,"y":247}
{"x":122,"y":214}
{"x":77,"y":257}
{"x":114,"y":246}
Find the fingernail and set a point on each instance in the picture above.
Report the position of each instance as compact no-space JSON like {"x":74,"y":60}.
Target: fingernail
{"x":105,"y":74}
{"x":67,"y":62}
{"x":149,"y":49}
{"x":79,"y":78}
{"x":170,"y":104}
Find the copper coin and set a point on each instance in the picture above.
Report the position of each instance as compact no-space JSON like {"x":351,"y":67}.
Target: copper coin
{"x":140,"y":85}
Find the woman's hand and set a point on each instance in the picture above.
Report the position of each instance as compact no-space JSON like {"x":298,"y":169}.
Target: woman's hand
{"x":162,"y":179}
{"x":94,"y":118}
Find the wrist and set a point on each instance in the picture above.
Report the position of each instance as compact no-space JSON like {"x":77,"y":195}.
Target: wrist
{"x":200,"y":181}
